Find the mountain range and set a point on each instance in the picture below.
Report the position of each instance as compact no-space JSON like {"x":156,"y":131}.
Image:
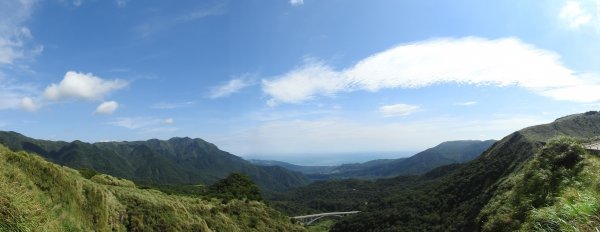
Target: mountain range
{"x":540,"y":178}
{"x":173,"y":161}
{"x":443,"y":154}
{"x":536,"y":179}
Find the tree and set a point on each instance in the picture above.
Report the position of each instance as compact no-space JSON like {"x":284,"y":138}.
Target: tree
{"x":236,"y":186}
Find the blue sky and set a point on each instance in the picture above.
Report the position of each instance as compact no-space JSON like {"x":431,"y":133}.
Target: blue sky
{"x":302,"y":77}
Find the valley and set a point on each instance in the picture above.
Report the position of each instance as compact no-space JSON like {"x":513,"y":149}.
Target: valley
{"x":466,"y":191}
{"x":299,"y":115}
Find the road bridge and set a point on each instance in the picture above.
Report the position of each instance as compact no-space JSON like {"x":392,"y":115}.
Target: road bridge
{"x":310,"y":219}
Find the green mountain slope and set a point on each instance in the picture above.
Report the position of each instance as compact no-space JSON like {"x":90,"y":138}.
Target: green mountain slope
{"x":173,"y":161}
{"x":36,"y":195}
{"x":443,"y":154}
{"x":557,"y":190}
{"x":455,"y":201}
{"x":293,"y":167}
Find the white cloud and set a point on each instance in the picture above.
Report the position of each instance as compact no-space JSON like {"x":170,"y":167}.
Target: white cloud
{"x":575,"y":15}
{"x":140,"y":122}
{"x":296,"y":2}
{"x":231,"y":87}
{"x":14,"y":36}
{"x":12,"y":94}
{"x":29,"y":104}
{"x":304,"y":83}
{"x":398,"y":110}
{"x":10,"y":100}
{"x":470,"y":60}
{"x":468,"y":103}
{"x":82,"y":86}
{"x":107,"y":108}
{"x":16,"y":46}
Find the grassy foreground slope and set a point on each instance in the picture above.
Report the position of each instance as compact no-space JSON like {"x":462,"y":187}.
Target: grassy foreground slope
{"x":557,"y":190}
{"x":36,"y":195}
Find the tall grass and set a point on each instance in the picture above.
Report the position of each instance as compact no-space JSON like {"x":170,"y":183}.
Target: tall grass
{"x":557,"y":190}
{"x":36,"y":195}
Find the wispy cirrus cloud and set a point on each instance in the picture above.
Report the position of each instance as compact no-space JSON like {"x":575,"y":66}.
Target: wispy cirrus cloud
{"x":231,"y":87}
{"x":398,"y":110}
{"x":149,"y":28}
{"x":470,"y":60}
{"x":467,"y":103}
{"x":12,"y":94}
{"x":15,"y":36}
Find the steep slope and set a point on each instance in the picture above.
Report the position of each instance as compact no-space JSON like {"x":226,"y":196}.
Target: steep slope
{"x":174,"y":161}
{"x":454,"y":202}
{"x":557,"y":190}
{"x":36,"y":195}
{"x":443,"y":154}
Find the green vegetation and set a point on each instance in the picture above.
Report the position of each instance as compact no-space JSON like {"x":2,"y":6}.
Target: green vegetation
{"x":450,"y":152}
{"x":339,"y":195}
{"x":460,"y":200}
{"x":236,"y":186}
{"x":321,"y":226}
{"x":536,"y":179}
{"x":556,"y":191}
{"x":36,"y":195}
{"x":177,"y":161}
{"x":292,"y":167}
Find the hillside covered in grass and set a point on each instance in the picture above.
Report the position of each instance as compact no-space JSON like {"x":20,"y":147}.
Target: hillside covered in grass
{"x":557,"y":190}
{"x":36,"y":195}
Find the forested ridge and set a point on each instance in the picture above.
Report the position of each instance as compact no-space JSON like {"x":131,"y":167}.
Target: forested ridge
{"x":155,"y":162}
